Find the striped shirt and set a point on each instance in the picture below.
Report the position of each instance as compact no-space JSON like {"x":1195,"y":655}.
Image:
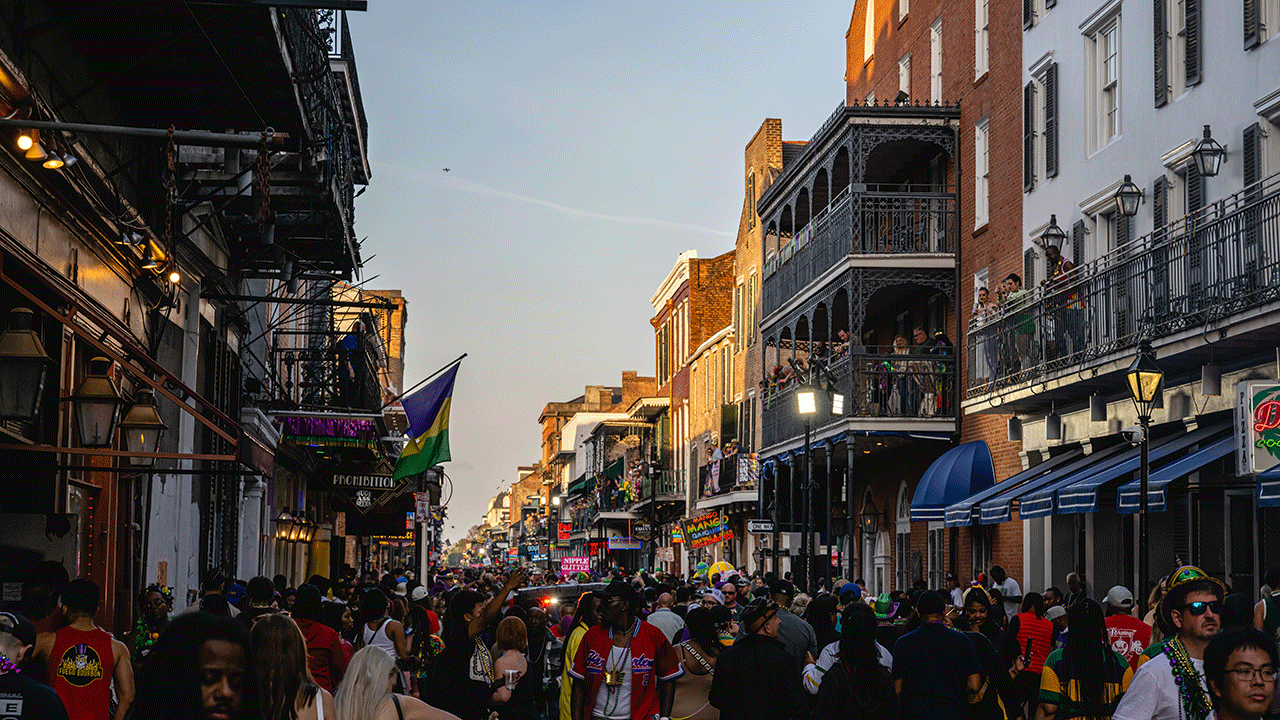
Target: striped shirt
{"x":1058,"y":686}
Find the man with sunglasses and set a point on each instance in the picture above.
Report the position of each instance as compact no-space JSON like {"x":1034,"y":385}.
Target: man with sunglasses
{"x":756,"y":677}
{"x":1169,"y":682}
{"x":1240,"y":667}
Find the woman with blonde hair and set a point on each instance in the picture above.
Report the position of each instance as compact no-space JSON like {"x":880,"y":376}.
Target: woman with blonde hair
{"x":286,"y":690}
{"x":365,"y":692}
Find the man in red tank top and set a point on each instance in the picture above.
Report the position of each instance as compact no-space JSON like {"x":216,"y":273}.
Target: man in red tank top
{"x":83,"y":659}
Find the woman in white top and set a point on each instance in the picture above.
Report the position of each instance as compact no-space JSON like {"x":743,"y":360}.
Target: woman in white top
{"x":365,"y":692}
{"x":379,"y":630}
{"x":286,"y":690}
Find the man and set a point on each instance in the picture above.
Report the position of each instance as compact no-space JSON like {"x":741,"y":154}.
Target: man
{"x":202,"y":667}
{"x":1172,"y":686}
{"x":22,"y":698}
{"x":1240,"y":667}
{"x":1058,"y":616}
{"x":1126,"y":634}
{"x":1266,"y":614}
{"x":936,"y":672}
{"x":1010,"y":593}
{"x":683,"y":595}
{"x":40,"y":591}
{"x":625,"y":667}
{"x":664,"y":618}
{"x":215,"y":583}
{"x":1052,"y":597}
{"x":730,"y":590}
{"x":756,"y":677}
{"x":953,"y":589}
{"x":796,"y":635}
{"x":540,"y":639}
{"x":1068,"y":306}
{"x":1075,"y":589}
{"x":83,"y":659}
{"x":589,"y":602}
{"x":711,"y":597}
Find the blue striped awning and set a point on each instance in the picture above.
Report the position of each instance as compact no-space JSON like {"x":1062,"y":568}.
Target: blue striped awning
{"x":961,"y":514}
{"x":1082,"y":495}
{"x":1269,"y":487}
{"x":1157,"y":498}
{"x":958,"y":473}
{"x":999,"y":509}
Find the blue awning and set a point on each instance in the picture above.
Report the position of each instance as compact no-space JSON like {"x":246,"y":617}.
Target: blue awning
{"x":1157,"y":499}
{"x":961,"y":514}
{"x":1269,"y":487}
{"x":999,"y":508}
{"x":1079,"y":493}
{"x":955,"y":475}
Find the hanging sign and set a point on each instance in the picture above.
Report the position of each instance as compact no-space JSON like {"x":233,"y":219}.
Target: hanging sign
{"x":706,"y":530}
{"x":623,"y":543}
{"x":573,"y":565}
{"x":1257,"y":426}
{"x":423,"y":502}
{"x":563,"y":530}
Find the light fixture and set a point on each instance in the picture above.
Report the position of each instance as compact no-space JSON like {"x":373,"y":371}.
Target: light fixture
{"x":295,"y":529}
{"x":24,"y":366}
{"x":149,"y":259}
{"x":1015,"y":429}
{"x":869,"y":519}
{"x":175,"y":277}
{"x":97,"y":402}
{"x":1211,"y":380}
{"x":1128,"y":197}
{"x":36,"y":152}
{"x":1097,"y":408}
{"x":1145,"y":379}
{"x":1053,"y":425}
{"x":806,"y":401}
{"x":27,"y":139}
{"x":555,"y":500}
{"x":284,"y":522}
{"x":54,"y":159}
{"x":69,"y":158}
{"x":142,"y":427}
{"x":1208,"y":155}
{"x":1053,"y":234}
{"x":836,"y":399}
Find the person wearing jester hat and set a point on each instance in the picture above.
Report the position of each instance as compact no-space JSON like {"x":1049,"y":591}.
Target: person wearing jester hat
{"x":1169,"y":683}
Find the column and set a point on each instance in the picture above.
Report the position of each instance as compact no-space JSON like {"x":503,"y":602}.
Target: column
{"x":855,"y":532}
{"x":248,"y":559}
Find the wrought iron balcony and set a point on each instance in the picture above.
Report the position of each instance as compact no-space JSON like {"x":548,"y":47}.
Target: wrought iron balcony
{"x":1211,"y":268}
{"x":734,"y":473}
{"x":342,"y":375}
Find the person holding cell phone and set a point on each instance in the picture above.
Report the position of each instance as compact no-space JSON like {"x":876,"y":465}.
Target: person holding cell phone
{"x":1029,"y":638}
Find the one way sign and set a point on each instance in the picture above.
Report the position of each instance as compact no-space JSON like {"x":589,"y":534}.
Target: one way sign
{"x":759,"y":526}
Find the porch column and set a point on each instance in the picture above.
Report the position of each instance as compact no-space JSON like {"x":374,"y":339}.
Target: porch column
{"x":829,"y":449}
{"x":250,"y":528}
{"x":854,"y":533}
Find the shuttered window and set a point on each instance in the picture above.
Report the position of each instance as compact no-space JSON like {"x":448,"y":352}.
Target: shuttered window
{"x":1159,"y":204}
{"x":1191,"y":8}
{"x":1161,"y":38}
{"x":1029,"y":268}
{"x":1028,"y":137}
{"x":1051,"y":121}
{"x":1077,"y":240}
{"x":1252,"y":151}
{"x":1252,"y":23}
{"x":1028,"y":14}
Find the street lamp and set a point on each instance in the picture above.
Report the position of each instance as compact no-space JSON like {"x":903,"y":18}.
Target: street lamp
{"x":142,"y":428}
{"x":284,"y":522}
{"x":1208,"y":155}
{"x":807,"y":406}
{"x":870,"y":518}
{"x":24,"y":365}
{"x":1053,"y":234}
{"x":1128,"y":197}
{"x":1145,"y":380}
{"x":97,"y":402}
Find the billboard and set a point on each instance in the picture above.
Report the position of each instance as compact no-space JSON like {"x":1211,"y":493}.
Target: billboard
{"x":572,"y":565}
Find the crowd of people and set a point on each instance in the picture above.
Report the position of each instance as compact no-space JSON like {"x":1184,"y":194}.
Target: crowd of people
{"x":646,"y":647}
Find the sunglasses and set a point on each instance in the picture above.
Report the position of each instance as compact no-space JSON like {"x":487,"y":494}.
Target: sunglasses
{"x":1199,"y":608}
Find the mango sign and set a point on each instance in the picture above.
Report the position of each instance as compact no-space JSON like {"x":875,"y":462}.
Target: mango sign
{"x":706,"y":530}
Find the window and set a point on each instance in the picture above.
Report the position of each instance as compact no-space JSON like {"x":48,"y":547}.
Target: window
{"x":902,"y":541}
{"x":981,"y":37}
{"x":1261,"y":19}
{"x":1108,"y":55}
{"x":937,"y":555}
{"x":1041,"y":125}
{"x":935,"y":61}
{"x":871,"y":98}
{"x":1033,"y":11}
{"x":869,"y":31}
{"x":737,"y":313}
{"x":981,"y":173}
{"x":751,"y":199}
{"x":904,"y":74}
{"x":904,"y":6}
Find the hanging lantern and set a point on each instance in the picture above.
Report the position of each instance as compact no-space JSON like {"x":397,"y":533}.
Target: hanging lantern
{"x":24,"y":367}
{"x":97,"y":402}
{"x":142,"y":428}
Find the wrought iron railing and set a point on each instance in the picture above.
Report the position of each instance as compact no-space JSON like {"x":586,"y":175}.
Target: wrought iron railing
{"x":875,"y":383}
{"x":344,"y":374}
{"x":734,"y":473}
{"x":1218,"y":261}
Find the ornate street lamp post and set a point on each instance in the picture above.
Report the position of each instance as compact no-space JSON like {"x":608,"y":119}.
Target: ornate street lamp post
{"x":1145,"y":381}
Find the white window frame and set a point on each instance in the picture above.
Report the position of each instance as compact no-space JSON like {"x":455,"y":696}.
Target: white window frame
{"x":869,"y":32}
{"x":1103,"y":99}
{"x":904,"y":7}
{"x":981,"y":172}
{"x":1269,"y":18}
{"x":935,"y":61}
{"x":904,"y":74}
{"x":936,"y":570}
{"x":981,"y":38}
{"x":1038,"y":72}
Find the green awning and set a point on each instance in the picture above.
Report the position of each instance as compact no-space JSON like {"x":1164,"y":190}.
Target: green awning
{"x":577,"y":486}
{"x":614,"y":471}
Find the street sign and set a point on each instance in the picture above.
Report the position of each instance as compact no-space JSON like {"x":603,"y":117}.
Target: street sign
{"x":423,"y":502}
{"x":759,"y":526}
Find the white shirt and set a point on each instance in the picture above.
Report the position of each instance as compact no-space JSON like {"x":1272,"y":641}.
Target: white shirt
{"x":667,"y":621}
{"x":1153,"y":695}
{"x":957,"y":597}
{"x":1009,"y":588}
{"x":617,"y":697}
{"x":827,"y":659}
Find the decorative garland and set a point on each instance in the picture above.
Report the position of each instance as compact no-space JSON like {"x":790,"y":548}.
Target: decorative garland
{"x":7,"y":666}
{"x":144,"y":637}
{"x":1195,"y":699}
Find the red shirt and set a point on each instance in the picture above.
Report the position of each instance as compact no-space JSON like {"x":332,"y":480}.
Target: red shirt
{"x":652,"y":660}
{"x":1128,"y":636}
{"x":1039,"y":632}
{"x":81,"y":666}
{"x":326,"y":666}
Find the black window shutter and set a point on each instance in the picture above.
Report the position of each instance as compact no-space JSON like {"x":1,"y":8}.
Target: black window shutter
{"x":1161,"y":37}
{"x":1252,"y":161}
{"x":1050,"y":3}
{"x":1028,"y":14}
{"x":1029,"y":267}
{"x":1252,"y":24}
{"x":1159,"y":203}
{"x":1192,"y":32}
{"x":1077,"y":241}
{"x":1195,"y":189}
{"x":1124,"y":228}
{"x":1028,"y":137}
{"x":1051,"y":121}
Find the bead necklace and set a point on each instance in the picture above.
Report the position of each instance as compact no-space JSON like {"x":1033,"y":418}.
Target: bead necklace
{"x":144,"y":637}
{"x":1195,"y":702}
{"x":6,"y":665}
{"x":614,"y":691}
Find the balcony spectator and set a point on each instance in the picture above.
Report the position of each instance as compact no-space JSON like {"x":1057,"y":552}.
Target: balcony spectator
{"x":1066,"y":306}
{"x":841,"y":348}
{"x":903,"y":396}
{"x":985,"y":312}
{"x":1018,"y":323}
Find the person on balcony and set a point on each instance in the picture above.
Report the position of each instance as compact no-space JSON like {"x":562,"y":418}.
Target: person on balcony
{"x":1018,"y":323}
{"x":841,"y":348}
{"x":1067,"y":306}
{"x":902,"y":393}
{"x":985,"y":312}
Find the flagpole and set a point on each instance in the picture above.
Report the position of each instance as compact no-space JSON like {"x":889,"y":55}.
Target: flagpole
{"x":423,"y":380}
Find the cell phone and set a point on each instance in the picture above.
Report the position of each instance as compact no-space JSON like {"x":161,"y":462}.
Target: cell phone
{"x":1026,"y":653}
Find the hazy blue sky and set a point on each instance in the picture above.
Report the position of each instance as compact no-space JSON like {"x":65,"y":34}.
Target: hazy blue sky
{"x":588,"y":144}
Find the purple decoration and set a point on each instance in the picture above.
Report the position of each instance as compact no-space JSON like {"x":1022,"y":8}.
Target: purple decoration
{"x":351,"y":428}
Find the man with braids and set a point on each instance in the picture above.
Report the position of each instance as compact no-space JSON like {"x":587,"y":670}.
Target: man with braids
{"x":1085,"y":678}
{"x":1169,"y":683}
{"x":201,"y":668}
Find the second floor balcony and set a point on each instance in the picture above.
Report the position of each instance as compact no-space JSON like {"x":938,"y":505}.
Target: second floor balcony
{"x":340,"y":373}
{"x":1204,"y":287}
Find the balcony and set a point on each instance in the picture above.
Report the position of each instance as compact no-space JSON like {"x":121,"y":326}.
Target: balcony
{"x":1211,"y":276}
{"x":342,"y":375}
{"x":882,"y":391}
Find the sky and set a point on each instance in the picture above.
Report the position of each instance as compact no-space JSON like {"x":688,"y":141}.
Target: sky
{"x":587,"y":144}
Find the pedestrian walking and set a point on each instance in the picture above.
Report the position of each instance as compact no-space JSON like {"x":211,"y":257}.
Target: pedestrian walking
{"x":821,"y":616}
{"x":156,"y":603}
{"x":796,"y":635}
{"x":586,"y":616}
{"x":1240,"y":670}
{"x":463,"y":684}
{"x":757,"y":677}
{"x":84,"y":662}
{"x":1007,"y":590}
{"x":514,"y":695}
{"x":1029,"y":636}
{"x":337,"y":617}
{"x":698,"y":657}
{"x":857,"y":684}
{"x":1266,"y":613}
{"x":286,"y":688}
{"x":1126,"y":634}
{"x":377,"y":628}
{"x":259,"y":597}
{"x":21,"y":697}
{"x":365,"y":692}
{"x":1086,"y":678}
{"x":936,"y":672}
{"x":326,"y":658}
{"x":1169,"y":683}
{"x":201,"y":667}
{"x":664,"y":617}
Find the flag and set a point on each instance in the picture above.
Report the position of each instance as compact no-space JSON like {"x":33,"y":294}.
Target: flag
{"x":428,"y":413}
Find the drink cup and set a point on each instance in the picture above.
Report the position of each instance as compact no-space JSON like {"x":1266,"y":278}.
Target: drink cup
{"x":510,"y":676}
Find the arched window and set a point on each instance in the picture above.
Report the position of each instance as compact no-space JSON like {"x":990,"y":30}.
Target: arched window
{"x":902,"y":541}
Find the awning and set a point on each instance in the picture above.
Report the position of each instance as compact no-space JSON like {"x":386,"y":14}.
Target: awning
{"x":1080,"y":494}
{"x":1000,"y":508}
{"x":1157,"y":499}
{"x":961,"y":514}
{"x":578,"y":485}
{"x":957,"y":474}
{"x":1269,"y":487}
{"x":614,"y":471}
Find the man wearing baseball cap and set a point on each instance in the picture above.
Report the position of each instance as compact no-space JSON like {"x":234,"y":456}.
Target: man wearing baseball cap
{"x":1169,"y":682}
{"x":797,"y":636}
{"x":20,"y":696}
{"x":1126,"y":634}
{"x":756,"y":677}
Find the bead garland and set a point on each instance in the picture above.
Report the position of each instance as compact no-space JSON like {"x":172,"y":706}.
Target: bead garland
{"x":144,"y":637}
{"x":7,"y":666}
{"x":1195,"y":702}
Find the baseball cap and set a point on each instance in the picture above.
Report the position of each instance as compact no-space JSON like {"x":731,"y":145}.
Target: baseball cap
{"x":402,"y":589}
{"x":20,"y":627}
{"x":235,"y":593}
{"x":714,"y":594}
{"x":418,"y":593}
{"x":782,"y":587}
{"x":622,"y":589}
{"x":1120,"y":597}
{"x":851,"y":588}
{"x":1055,"y":612}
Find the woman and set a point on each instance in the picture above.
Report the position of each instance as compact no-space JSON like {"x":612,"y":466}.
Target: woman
{"x":338,"y":618}
{"x":857,"y":685}
{"x":515,"y":700}
{"x":157,"y":603}
{"x":977,"y":607}
{"x":698,"y":657}
{"x":902,"y":392}
{"x":286,"y":690}
{"x":326,"y":658}
{"x":464,"y":677}
{"x":1028,"y":636}
{"x":379,"y":630}
{"x":424,"y":647}
{"x":1086,"y":678}
{"x":586,"y":616}
{"x":365,"y":693}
